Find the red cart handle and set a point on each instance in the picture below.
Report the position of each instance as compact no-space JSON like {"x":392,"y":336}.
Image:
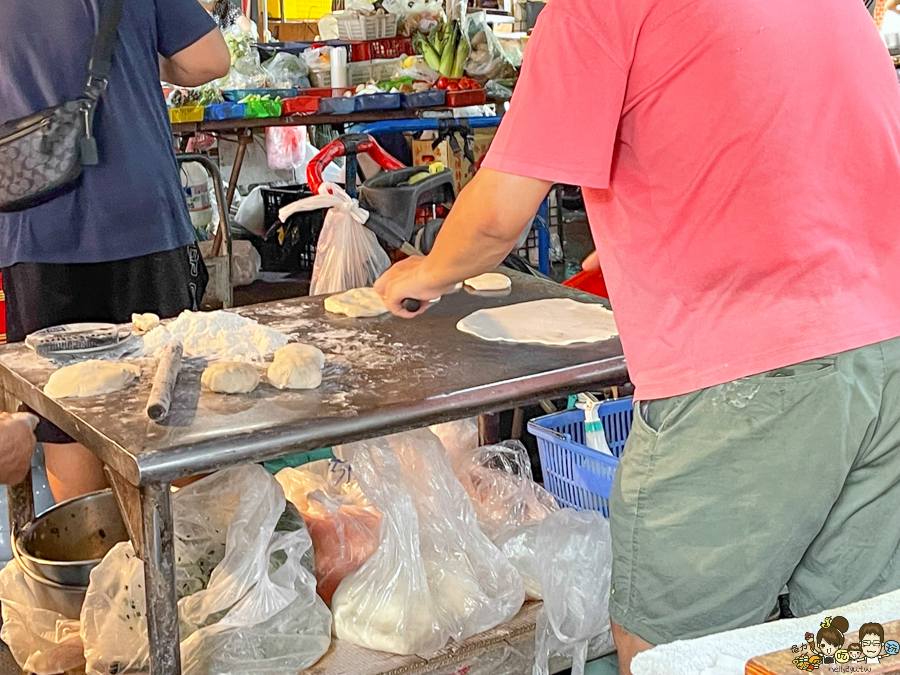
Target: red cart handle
{"x":351,"y":144}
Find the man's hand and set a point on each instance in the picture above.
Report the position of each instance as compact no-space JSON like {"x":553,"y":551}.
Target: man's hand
{"x":592,"y":262}
{"x":16,"y":446}
{"x":408,"y":280}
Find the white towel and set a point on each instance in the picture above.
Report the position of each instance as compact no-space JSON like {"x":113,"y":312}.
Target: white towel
{"x":727,"y":653}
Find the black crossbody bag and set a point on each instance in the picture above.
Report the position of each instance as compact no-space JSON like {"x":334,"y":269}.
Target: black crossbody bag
{"x":42,"y":155}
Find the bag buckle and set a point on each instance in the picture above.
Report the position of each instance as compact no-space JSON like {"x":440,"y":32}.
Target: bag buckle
{"x":95,"y":87}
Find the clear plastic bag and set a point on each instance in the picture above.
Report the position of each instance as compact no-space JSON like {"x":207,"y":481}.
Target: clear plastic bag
{"x":247,"y":595}
{"x":39,"y":636}
{"x":285,"y":71}
{"x":415,"y":15}
{"x":469,"y":586}
{"x":487,"y":59}
{"x":347,"y":255}
{"x":574,"y":556}
{"x":344,"y":525}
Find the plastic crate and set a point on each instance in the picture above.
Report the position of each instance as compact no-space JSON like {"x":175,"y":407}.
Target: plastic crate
{"x":258,"y":109}
{"x":376,"y":102}
{"x":224,"y":111}
{"x":466,"y":97}
{"x":385,"y":69}
{"x":390,"y":48}
{"x":294,"y":248}
{"x":354,"y":26}
{"x":424,"y":99}
{"x":188,"y":113}
{"x":357,"y":73}
{"x":241,"y":94}
{"x":337,"y":105}
{"x":579,"y":477}
{"x":300,"y":105}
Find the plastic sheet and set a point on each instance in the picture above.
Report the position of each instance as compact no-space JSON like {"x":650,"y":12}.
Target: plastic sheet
{"x":435,"y":575}
{"x":247,"y":595}
{"x":574,"y":557}
{"x":344,"y":525}
{"x":347,"y":255}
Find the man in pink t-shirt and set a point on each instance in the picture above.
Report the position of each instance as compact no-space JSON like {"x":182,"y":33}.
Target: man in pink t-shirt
{"x":741,"y":169}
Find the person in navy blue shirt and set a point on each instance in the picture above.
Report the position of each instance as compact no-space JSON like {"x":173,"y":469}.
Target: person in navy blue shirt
{"x":122,"y":241}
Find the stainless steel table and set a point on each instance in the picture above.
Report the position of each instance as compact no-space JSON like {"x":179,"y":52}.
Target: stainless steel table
{"x":383,"y":375}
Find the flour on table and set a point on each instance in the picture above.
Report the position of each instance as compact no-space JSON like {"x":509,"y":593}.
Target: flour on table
{"x":230,"y":377}
{"x":217,"y":335}
{"x":356,"y":303}
{"x":90,"y":378}
{"x":296,"y":366}
{"x":552,"y":321}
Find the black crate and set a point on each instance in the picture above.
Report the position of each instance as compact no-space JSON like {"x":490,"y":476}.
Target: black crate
{"x":290,"y":246}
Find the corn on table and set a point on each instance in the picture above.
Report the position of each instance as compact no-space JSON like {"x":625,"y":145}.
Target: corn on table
{"x":384,"y":375}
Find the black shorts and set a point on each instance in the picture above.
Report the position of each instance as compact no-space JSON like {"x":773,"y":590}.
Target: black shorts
{"x":39,"y":295}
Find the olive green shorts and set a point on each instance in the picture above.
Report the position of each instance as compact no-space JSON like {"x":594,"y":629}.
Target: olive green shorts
{"x":725,"y":495}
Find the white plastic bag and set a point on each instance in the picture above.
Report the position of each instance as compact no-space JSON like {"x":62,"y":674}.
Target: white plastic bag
{"x":343,"y":524}
{"x":574,"y":554}
{"x":41,"y":639}
{"x":347,"y":255}
{"x":248,"y":600}
{"x":435,"y":575}
{"x":285,"y":71}
{"x":251,"y":213}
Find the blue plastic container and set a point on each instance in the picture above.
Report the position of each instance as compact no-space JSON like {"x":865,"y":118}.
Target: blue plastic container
{"x":424,"y":99}
{"x":579,"y":477}
{"x":377,"y":102}
{"x":337,"y":105}
{"x":224,"y":111}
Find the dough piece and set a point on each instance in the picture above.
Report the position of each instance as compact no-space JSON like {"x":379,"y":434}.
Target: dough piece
{"x":492,"y":281}
{"x":552,"y":321}
{"x":355,"y":303}
{"x":91,"y":378}
{"x":296,"y":366}
{"x":230,"y":377}
{"x":144,"y":323}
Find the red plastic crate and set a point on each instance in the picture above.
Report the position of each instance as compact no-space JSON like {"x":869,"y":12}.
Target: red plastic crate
{"x":325,"y":92}
{"x":465,"y":97}
{"x":391,"y":48}
{"x":359,"y":51}
{"x":300,"y":105}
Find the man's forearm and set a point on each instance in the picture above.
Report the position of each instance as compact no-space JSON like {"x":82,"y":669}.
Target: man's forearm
{"x":483,"y":226}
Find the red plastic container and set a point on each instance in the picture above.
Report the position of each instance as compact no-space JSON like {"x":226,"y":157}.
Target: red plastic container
{"x":589,"y":281}
{"x":300,"y":105}
{"x":324,"y":92}
{"x":464,"y":97}
{"x":385,"y":48}
{"x":359,"y":51}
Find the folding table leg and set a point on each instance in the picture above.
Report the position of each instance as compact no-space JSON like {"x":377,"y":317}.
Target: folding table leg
{"x":159,"y":566}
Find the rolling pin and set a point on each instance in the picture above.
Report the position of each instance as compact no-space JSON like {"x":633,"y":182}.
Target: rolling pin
{"x":163,"y":390}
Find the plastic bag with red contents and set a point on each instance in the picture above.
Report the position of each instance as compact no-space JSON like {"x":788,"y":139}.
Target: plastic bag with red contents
{"x":343,"y":524}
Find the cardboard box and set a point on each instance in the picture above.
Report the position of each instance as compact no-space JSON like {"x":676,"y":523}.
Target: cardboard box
{"x":424,"y":154}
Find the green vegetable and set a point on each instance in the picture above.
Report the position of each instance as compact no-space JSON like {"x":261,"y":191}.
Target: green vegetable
{"x":449,"y":53}
{"x":432,"y":57}
{"x":459,"y":63}
{"x":434,"y":39}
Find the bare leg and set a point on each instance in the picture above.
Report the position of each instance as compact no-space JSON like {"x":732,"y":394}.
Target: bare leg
{"x":627,"y":645}
{"x":72,"y":470}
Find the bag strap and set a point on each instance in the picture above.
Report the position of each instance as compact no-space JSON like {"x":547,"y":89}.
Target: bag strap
{"x":103,"y":48}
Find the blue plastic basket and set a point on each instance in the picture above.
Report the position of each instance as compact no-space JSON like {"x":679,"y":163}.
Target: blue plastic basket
{"x":579,"y":477}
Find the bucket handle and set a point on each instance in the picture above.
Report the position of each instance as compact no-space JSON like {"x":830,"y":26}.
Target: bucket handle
{"x":14,"y":541}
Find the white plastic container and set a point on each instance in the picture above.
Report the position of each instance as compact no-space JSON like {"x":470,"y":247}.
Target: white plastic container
{"x":195,"y":182}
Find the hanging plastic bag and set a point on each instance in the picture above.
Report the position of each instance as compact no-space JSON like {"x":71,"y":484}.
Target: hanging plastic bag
{"x":285,"y":147}
{"x":415,"y":15}
{"x":435,"y":574}
{"x":343,"y":524}
{"x":285,"y":71}
{"x":574,"y":562}
{"x":347,"y":255}
{"x":487,"y":59}
{"x":247,"y":595}
{"x":42,"y":640}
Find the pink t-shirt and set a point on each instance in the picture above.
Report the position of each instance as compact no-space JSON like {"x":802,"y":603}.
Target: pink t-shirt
{"x":741,"y":169}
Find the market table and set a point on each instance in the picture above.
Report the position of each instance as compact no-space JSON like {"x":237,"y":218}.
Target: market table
{"x":384,"y":375}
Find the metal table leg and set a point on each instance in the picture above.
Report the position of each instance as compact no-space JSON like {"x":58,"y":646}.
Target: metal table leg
{"x":245,"y":138}
{"x":158,"y":547}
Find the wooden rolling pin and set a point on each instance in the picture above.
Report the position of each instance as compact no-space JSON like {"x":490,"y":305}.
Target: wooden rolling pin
{"x":163,"y":390}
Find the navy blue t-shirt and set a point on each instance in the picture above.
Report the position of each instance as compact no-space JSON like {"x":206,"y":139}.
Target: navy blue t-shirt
{"x":132,"y":203}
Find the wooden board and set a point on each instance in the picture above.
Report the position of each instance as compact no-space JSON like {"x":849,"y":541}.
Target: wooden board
{"x":782,"y":662}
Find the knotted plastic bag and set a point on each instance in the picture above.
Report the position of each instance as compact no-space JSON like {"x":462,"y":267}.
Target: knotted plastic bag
{"x":42,"y":640}
{"x":247,"y":595}
{"x":469,"y":586}
{"x":344,"y":525}
{"x":347,"y":255}
{"x":574,"y":556}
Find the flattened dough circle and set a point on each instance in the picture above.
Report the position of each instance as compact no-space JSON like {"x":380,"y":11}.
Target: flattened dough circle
{"x":552,"y":321}
{"x":356,"y":303}
{"x":91,"y":378}
{"x":230,"y":377}
{"x":490,"y":281}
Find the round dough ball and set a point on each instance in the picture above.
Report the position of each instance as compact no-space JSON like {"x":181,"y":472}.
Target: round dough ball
{"x":90,"y":378}
{"x":492,"y":281}
{"x":355,"y":303}
{"x":296,"y":366}
{"x":144,"y":323}
{"x":230,"y":377}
